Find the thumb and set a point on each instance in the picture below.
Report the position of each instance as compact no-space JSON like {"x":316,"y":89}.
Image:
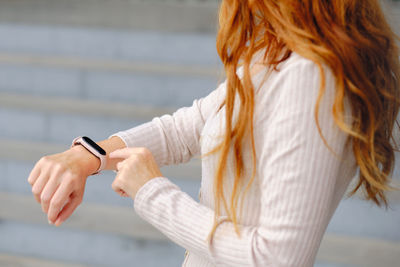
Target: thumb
{"x":117,"y":187}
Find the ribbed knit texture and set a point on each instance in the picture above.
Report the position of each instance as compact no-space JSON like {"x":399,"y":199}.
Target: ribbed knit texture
{"x":298,"y":183}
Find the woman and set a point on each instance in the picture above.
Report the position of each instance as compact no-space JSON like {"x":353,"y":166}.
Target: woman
{"x":311,"y":95}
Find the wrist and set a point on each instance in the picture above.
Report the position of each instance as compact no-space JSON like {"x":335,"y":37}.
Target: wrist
{"x":92,"y":147}
{"x":89,"y":162}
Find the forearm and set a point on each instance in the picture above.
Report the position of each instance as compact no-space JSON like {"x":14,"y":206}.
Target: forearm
{"x":91,"y":162}
{"x":172,"y":139}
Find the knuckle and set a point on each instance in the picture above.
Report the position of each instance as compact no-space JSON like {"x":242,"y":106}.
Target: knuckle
{"x":119,"y":183}
{"x":31,"y":177}
{"x":56,"y":203}
{"x":69,"y":174}
{"x":114,"y":185}
{"x":73,"y":182}
{"x":145,"y":152}
{"x":142,"y":150}
{"x":45,"y":199}
{"x":69,"y":179}
{"x":58,"y":167}
{"x":35,"y":191}
{"x":123,"y":184}
{"x":44,"y":160}
{"x":135,"y":159}
{"x":119,"y":165}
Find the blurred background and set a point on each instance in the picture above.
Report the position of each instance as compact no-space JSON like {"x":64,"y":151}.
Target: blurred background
{"x":95,"y":67}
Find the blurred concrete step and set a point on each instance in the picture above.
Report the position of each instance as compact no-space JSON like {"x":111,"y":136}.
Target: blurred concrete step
{"x":358,"y":251}
{"x":131,"y":67}
{"x":87,"y":217}
{"x":183,"y":16}
{"x":392,"y":9}
{"x":151,"y":66}
{"x":14,"y":260}
{"x":56,"y":119}
{"x":189,"y":49}
{"x":143,"y":88}
{"x":39,"y":126}
{"x":357,"y":217}
{"x":82,"y":107}
{"x":87,"y":248}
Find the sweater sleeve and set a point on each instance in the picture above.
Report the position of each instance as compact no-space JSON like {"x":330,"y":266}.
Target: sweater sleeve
{"x":297,"y":176}
{"x":174,"y":139}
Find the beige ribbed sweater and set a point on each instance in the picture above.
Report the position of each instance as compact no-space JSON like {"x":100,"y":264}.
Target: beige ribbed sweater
{"x":298,"y":183}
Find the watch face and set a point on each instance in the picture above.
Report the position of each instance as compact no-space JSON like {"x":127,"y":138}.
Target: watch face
{"x":94,"y":145}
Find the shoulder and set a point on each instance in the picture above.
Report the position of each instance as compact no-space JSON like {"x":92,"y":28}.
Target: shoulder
{"x":294,"y":86}
{"x":295,"y":65}
{"x":296,"y":75}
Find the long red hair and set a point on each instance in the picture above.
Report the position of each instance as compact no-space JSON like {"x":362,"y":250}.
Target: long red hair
{"x":354,"y":39}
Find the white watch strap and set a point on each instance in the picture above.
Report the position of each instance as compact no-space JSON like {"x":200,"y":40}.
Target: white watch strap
{"x":103,"y":158}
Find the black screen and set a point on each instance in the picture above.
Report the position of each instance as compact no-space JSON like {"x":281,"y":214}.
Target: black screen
{"x":94,"y":145}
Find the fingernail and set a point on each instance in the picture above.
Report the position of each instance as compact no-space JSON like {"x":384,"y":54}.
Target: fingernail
{"x":50,"y":222}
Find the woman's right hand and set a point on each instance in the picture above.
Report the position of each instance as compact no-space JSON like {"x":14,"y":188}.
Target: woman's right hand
{"x":58,"y":181}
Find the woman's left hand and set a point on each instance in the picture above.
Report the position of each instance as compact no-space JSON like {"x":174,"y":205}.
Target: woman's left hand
{"x":137,"y":167}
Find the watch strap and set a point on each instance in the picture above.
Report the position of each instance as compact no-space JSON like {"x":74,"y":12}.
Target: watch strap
{"x":103,"y":158}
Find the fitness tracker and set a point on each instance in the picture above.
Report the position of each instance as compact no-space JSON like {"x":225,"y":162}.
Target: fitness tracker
{"x":93,"y":148}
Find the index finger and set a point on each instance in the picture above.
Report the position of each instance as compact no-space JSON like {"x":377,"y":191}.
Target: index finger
{"x":123,"y":152}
